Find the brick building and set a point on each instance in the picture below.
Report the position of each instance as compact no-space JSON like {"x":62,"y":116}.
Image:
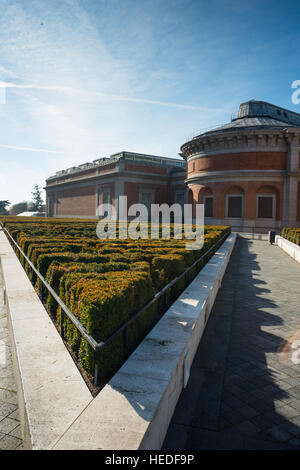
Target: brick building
{"x":78,"y":191}
{"x":247,"y":172}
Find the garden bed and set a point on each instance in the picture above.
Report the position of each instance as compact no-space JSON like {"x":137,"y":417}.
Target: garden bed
{"x":292,"y":235}
{"x":104,"y":282}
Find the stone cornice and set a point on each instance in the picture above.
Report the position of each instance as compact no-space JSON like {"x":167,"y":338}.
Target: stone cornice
{"x":295,"y":173}
{"x":199,"y":178}
{"x":232,"y":151}
{"x":128,"y":175}
{"x":240,"y":141}
{"x":82,"y":179}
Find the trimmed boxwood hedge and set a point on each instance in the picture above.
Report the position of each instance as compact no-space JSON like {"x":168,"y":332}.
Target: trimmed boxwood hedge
{"x":291,"y":234}
{"x":102,"y":302}
{"x":103,"y":282}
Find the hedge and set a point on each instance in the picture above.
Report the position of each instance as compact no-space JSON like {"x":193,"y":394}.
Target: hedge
{"x":105,"y":281}
{"x":102,"y":302}
{"x":291,"y":234}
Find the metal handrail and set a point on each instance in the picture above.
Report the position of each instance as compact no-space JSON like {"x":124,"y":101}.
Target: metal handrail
{"x":99,"y":346}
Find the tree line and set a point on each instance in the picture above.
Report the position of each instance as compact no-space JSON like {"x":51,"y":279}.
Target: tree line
{"x":35,"y":205}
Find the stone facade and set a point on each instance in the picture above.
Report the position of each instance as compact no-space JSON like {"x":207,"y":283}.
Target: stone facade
{"x":78,"y":191}
{"x":247,"y":173}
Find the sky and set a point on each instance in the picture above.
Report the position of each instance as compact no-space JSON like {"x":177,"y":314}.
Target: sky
{"x":81,"y":79}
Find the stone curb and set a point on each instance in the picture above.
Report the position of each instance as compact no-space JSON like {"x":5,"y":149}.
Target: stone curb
{"x":290,"y":248}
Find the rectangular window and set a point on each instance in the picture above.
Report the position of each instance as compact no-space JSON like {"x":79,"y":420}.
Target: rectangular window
{"x":50,"y":206}
{"x":106,"y":196}
{"x":180,"y":198}
{"x":235,"y":206}
{"x":208,"y":206}
{"x":106,"y":199}
{"x":265,"y":207}
{"x":146,"y":198}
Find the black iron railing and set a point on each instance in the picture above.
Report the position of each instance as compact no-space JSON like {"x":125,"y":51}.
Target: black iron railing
{"x":99,"y":346}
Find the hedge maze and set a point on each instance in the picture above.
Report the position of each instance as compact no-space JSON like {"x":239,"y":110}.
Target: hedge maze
{"x":103,"y":282}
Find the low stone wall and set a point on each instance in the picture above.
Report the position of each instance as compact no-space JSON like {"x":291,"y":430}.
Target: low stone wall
{"x":134,"y":409}
{"x":290,"y":248}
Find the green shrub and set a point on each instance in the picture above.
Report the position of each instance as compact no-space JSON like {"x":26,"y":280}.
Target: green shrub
{"x":167,"y":267}
{"x":102,"y":303}
{"x":291,"y":234}
{"x":104,"y":282}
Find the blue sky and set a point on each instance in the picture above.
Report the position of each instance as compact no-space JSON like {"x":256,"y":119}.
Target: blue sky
{"x":88,"y":78}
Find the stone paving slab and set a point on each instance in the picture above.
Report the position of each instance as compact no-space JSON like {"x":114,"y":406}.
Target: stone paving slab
{"x":10,"y":430}
{"x":243,"y":393}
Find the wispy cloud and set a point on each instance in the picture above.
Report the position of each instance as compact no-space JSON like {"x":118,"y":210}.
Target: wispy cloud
{"x":28,"y":149}
{"x":98,"y":94}
{"x":7,"y":73}
{"x":88,"y":79}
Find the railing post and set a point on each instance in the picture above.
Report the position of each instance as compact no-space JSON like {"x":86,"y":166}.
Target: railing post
{"x":186,"y":279}
{"x":41,"y":289}
{"x":166,"y":299}
{"x":125,"y":339}
{"x":96,"y":369}
{"x":62,"y":319}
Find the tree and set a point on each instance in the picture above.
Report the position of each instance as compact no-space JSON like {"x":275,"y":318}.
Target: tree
{"x":3,"y":207}
{"x":18,"y":208}
{"x":37,"y":199}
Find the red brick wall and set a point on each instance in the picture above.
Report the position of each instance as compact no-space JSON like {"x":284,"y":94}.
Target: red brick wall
{"x":250,"y":190}
{"x":161,"y":194}
{"x":76,"y":201}
{"x":239,"y":161}
{"x":131,"y":190}
{"x":145,"y":169}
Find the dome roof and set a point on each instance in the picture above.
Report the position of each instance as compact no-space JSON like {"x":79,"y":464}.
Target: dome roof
{"x":258,"y":115}
{"x":250,"y":123}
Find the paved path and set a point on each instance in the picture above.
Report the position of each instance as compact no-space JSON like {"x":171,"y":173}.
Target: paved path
{"x":240,"y":394}
{"x":10,"y":433}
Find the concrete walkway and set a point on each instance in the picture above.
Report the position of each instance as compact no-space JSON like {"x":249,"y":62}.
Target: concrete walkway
{"x":241,"y":394}
{"x":10,"y":432}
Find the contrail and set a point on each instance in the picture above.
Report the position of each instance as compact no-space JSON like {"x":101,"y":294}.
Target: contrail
{"x":28,"y":149}
{"x":111,"y":96}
